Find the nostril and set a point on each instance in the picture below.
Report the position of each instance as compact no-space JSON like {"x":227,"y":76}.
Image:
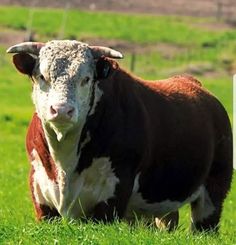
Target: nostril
{"x":71,"y":112}
{"x":52,"y":110}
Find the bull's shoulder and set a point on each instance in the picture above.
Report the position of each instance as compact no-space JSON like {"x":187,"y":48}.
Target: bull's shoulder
{"x":37,"y":147}
{"x":35,"y":138}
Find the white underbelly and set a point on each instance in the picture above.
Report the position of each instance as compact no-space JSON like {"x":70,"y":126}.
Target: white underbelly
{"x":138,"y":206}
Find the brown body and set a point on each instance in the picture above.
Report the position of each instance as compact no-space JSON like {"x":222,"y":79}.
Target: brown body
{"x":173,"y":132}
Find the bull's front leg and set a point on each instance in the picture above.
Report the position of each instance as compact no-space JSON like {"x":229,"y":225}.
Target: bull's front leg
{"x":115,"y":207}
{"x":43,"y":211}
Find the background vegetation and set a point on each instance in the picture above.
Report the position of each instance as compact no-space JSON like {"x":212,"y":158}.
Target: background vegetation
{"x":163,"y":46}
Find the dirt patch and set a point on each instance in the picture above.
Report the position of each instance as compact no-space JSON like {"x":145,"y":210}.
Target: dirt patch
{"x":215,"y":26}
{"x":201,"y":69}
{"x":10,"y":37}
{"x":164,"y":49}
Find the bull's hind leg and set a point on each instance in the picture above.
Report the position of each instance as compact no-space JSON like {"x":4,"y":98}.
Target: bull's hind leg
{"x":204,"y":213}
{"x":206,"y":210}
{"x":168,"y":222}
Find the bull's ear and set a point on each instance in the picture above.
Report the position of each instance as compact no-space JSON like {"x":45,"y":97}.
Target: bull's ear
{"x":103,"y":68}
{"x":24,"y":63}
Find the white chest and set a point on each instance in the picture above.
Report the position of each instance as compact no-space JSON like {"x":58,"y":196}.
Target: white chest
{"x":75,"y":194}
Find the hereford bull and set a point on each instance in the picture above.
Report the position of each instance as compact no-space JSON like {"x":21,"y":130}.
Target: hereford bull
{"x":104,"y":144}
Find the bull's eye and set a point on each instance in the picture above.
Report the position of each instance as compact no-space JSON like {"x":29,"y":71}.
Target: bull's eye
{"x":42,"y":77}
{"x":85,"y":81}
{"x":43,"y":84}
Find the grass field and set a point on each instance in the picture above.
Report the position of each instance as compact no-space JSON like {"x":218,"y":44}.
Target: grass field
{"x":195,"y":45}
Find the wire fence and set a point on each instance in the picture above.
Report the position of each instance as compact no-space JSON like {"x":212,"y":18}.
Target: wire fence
{"x":225,"y":11}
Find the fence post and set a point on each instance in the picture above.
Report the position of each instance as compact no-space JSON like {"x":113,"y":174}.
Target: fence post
{"x":219,"y":10}
{"x":133,"y":61}
{"x":29,"y":26}
{"x":61,"y":33}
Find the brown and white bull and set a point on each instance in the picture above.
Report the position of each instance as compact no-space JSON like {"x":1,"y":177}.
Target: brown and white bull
{"x":104,"y":144}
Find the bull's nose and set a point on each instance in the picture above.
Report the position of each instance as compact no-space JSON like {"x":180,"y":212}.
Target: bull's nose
{"x":61,"y":111}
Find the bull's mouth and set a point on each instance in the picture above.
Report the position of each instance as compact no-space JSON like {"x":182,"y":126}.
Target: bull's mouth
{"x":61,"y":129}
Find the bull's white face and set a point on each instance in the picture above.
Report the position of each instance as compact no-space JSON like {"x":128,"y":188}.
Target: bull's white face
{"x":62,"y":82}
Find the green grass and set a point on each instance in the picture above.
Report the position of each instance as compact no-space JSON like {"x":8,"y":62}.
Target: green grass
{"x":17,"y":223}
{"x":118,"y":233}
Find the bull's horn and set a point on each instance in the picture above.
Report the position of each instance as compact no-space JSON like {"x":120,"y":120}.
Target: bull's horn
{"x":99,"y":51}
{"x":26,"y":47}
